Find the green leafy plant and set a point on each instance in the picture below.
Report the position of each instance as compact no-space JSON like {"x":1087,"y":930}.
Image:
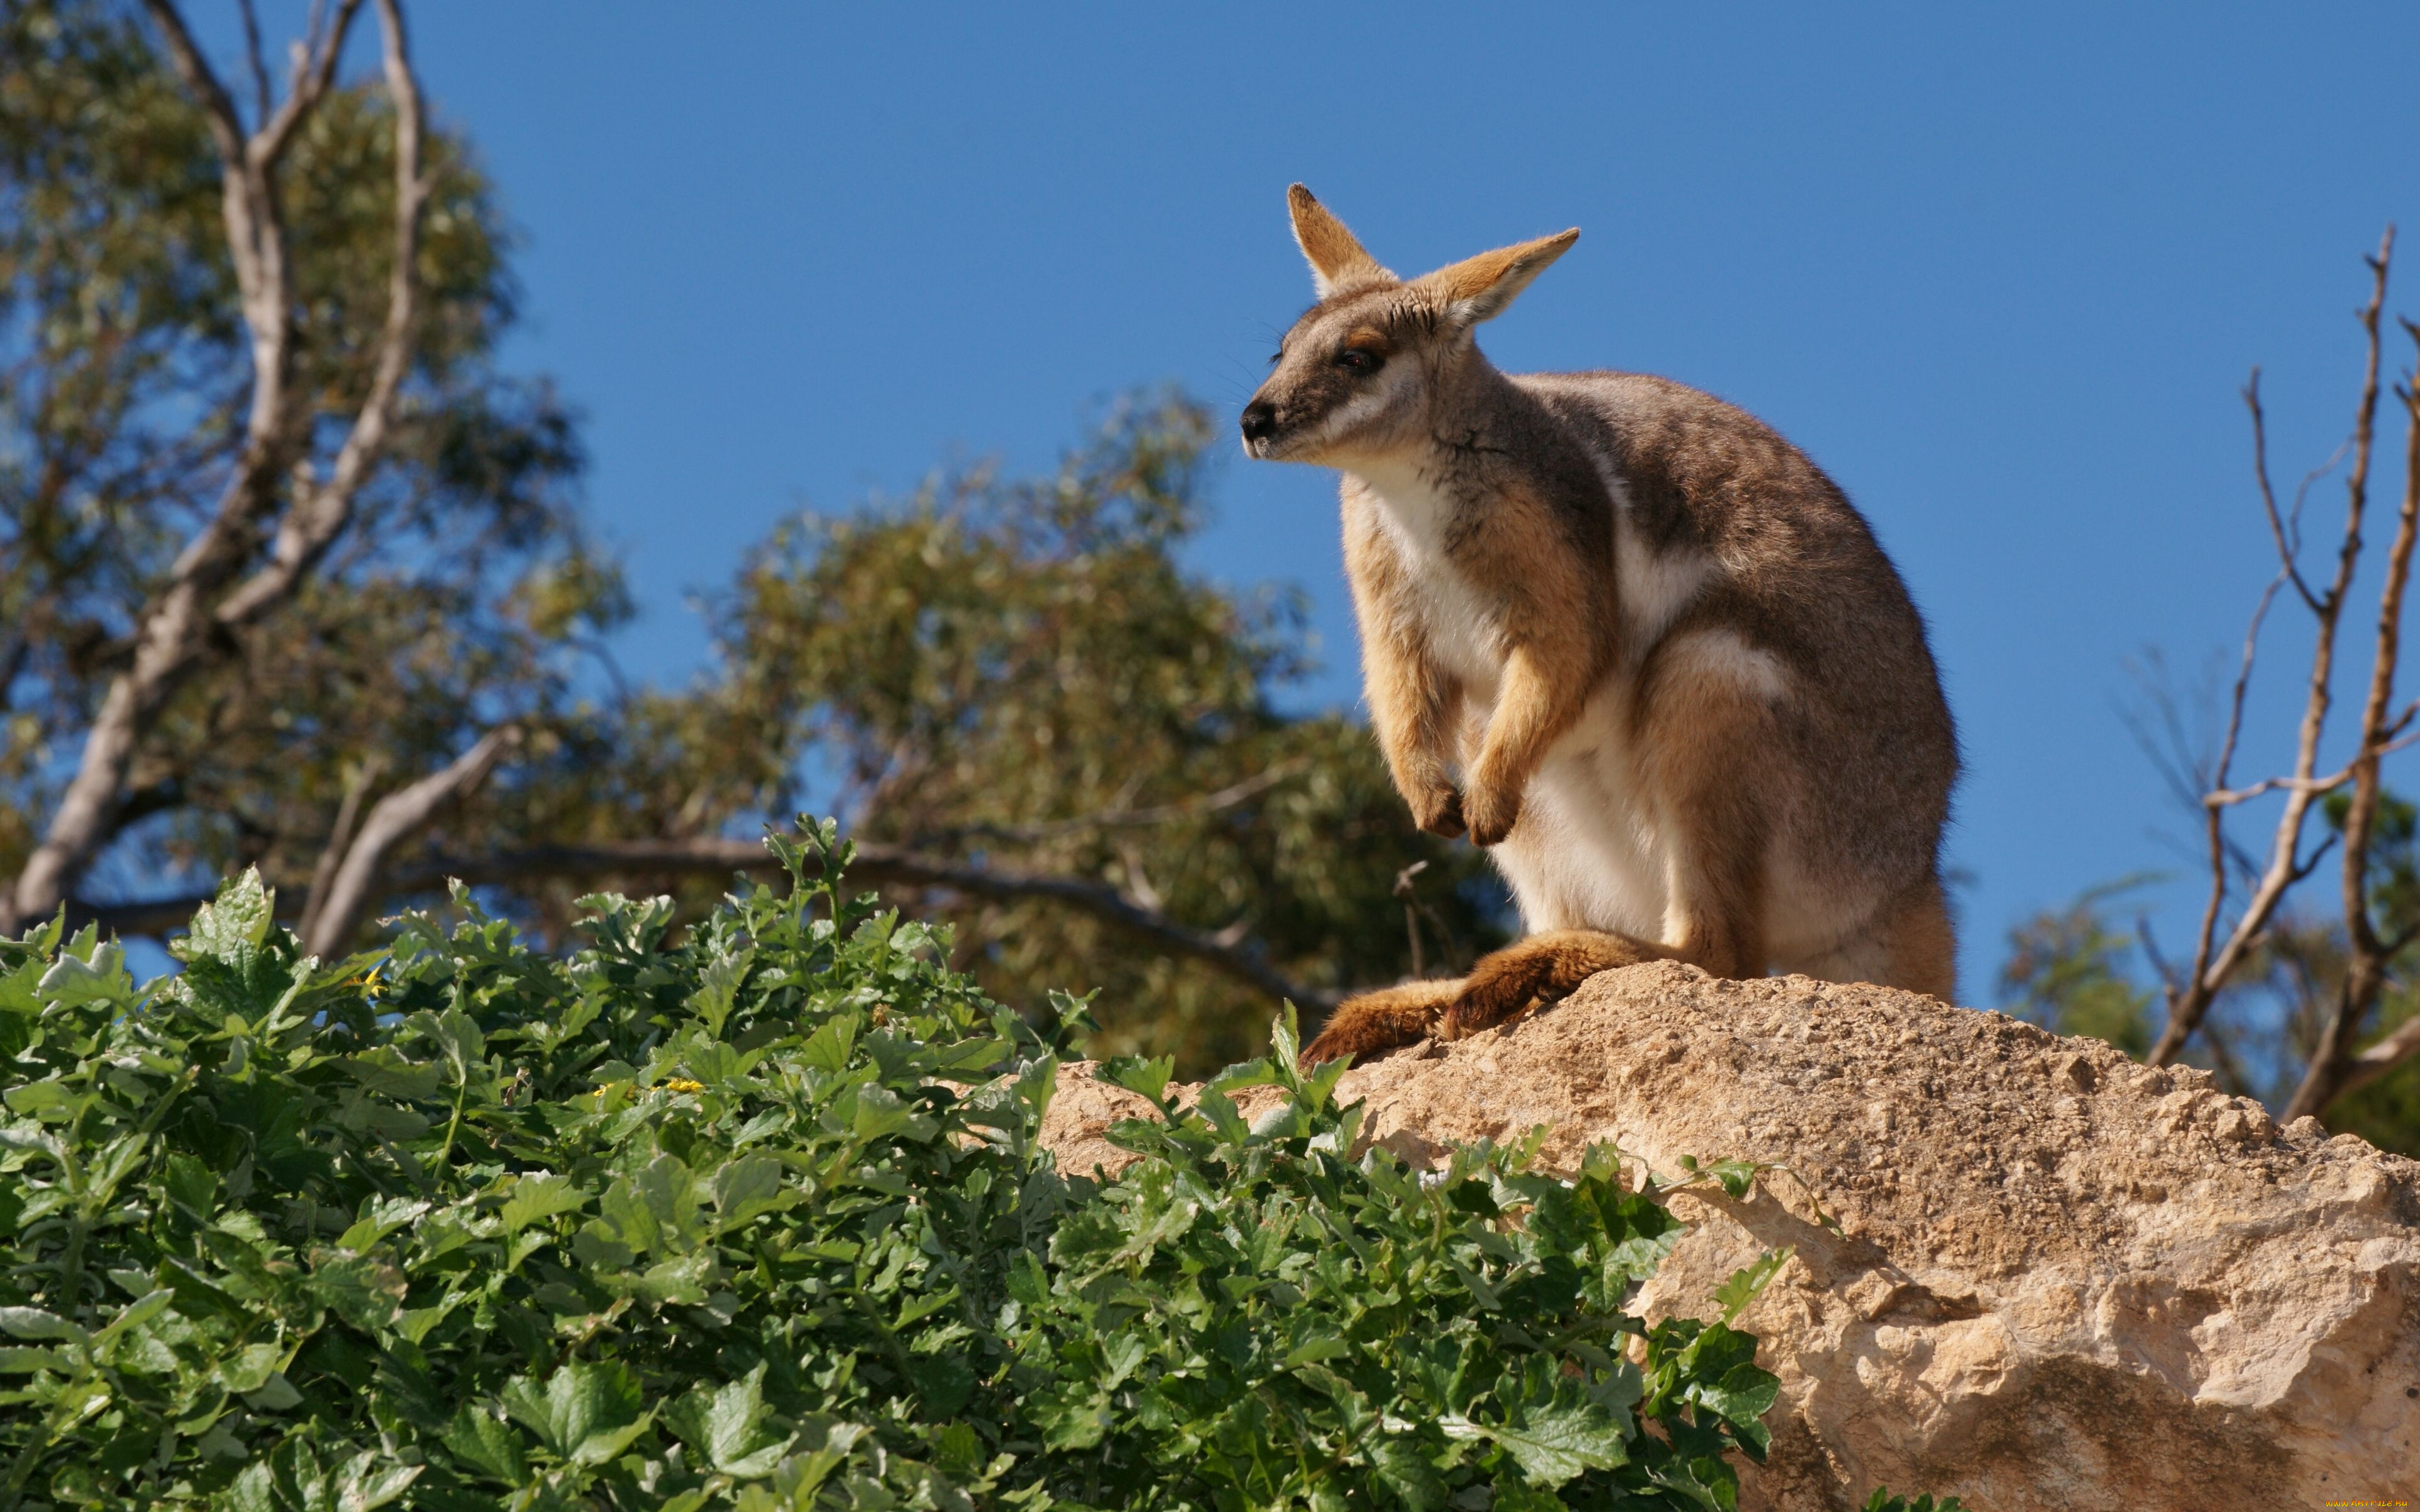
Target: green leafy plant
{"x":757,"y":1218}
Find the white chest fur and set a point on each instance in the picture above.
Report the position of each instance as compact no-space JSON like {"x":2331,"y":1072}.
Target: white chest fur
{"x":1455,"y":619}
{"x":1588,"y":851}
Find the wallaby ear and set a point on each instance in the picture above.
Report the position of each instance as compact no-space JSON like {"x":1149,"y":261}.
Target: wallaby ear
{"x":1336,"y":258}
{"x":1479,"y":289}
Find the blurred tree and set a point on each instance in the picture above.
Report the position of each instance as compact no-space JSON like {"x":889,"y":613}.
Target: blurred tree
{"x":294,"y":577}
{"x":274,"y":535}
{"x":1020,"y":674}
{"x":2071,"y":972}
{"x":2076,"y":971}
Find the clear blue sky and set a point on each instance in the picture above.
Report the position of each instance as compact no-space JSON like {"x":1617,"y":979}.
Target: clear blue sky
{"x":2001,"y":272}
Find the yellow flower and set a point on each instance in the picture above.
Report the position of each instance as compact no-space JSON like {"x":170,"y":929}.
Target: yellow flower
{"x":682,"y":1084}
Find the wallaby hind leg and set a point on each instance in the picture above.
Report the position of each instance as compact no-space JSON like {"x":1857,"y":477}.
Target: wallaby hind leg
{"x":1909,"y":943}
{"x":1387,"y":1019}
{"x":1704,"y":718}
{"x":1544,"y":967}
{"x":1923,"y":943}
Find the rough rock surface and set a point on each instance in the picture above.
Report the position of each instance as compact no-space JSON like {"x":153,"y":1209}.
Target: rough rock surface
{"x":2063,"y":1281}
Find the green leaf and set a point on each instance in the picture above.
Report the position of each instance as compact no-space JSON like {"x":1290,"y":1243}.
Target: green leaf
{"x":1137,"y":1074}
{"x":584,"y":1414}
{"x":250,"y":1368}
{"x":1552,"y":1431}
{"x":729,"y":1427}
{"x":99,"y":977}
{"x":718,"y":988}
{"x":255,"y":1489}
{"x":1400,"y":1466}
{"x":827,"y":1048}
{"x":746,"y":1187}
{"x":488,"y":1446}
{"x":37,"y":1323}
{"x":1556,"y":1442}
{"x":364,"y":1290}
{"x":944,"y":1384}
{"x":1748,"y":1282}
{"x":233,"y":924}
{"x":380,"y":1216}
{"x":540,"y":1196}
{"x":363,"y":1484}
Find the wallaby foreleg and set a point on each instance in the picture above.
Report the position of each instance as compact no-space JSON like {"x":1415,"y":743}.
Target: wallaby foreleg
{"x":1413,"y":703}
{"x":1543,"y":691}
{"x":1543,"y":968}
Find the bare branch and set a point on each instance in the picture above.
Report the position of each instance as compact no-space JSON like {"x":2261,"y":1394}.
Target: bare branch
{"x":2392,"y":735}
{"x":2370,"y":956}
{"x":313,"y":73}
{"x":2380,"y":1059}
{"x":2215,"y":962}
{"x":394,"y":819}
{"x":218,"y":107}
{"x":2225,"y":1063}
{"x":2289,"y":543}
{"x":260,"y":96}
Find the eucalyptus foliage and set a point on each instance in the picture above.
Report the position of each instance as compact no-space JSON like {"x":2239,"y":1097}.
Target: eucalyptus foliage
{"x":757,"y":1218}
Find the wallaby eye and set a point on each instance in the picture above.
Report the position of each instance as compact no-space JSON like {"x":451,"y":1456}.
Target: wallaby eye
{"x":1275,"y":357}
{"x":1359,"y":360}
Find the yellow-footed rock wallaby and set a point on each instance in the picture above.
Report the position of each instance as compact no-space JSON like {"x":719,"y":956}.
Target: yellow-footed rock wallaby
{"x":1625,"y":636}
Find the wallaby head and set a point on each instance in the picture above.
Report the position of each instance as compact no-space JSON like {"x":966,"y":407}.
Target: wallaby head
{"x":1360,"y":375}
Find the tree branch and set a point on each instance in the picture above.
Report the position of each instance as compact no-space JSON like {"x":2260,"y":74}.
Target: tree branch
{"x":2380,"y":1059}
{"x":260,"y":99}
{"x":172,"y":630}
{"x":313,"y":73}
{"x":340,"y":839}
{"x":320,"y":512}
{"x":392,"y":820}
{"x":2369,"y":956}
{"x":2213,"y":967}
{"x":1208,"y":803}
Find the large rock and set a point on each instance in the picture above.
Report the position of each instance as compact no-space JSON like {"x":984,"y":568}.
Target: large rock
{"x":2062,"y":1280}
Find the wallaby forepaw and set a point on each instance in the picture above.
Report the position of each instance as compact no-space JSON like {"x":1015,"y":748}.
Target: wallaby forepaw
{"x":1440,"y":813}
{"x":1492,"y":812}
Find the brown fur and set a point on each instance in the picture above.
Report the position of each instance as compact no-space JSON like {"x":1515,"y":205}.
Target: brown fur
{"x":1747,"y":755}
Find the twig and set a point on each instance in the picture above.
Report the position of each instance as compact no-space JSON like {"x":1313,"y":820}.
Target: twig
{"x":2227,"y":797}
{"x":2289,"y":543}
{"x":1410,"y":896}
{"x":262,"y":101}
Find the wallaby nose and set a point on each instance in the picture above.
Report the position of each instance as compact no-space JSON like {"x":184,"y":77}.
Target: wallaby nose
{"x":1260,"y":420}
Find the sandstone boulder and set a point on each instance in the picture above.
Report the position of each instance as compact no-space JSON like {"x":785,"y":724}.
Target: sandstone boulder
{"x":2062,"y":1280}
